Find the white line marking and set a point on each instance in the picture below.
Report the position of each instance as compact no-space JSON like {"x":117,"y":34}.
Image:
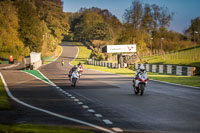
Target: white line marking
{"x":75,"y":56}
{"x":69,"y":95}
{"x":11,"y":66}
{"x":57,"y":87}
{"x":73,"y":97}
{"x":91,"y":110}
{"x":116,"y":129}
{"x":51,"y":113}
{"x":66,"y":93}
{"x":37,"y":77}
{"x":175,"y":84}
{"x":76,"y":100}
{"x":80,"y":103}
{"x":98,"y":115}
{"x":108,"y":122}
{"x":47,"y":79}
{"x":85,"y":107}
{"x":149,"y":79}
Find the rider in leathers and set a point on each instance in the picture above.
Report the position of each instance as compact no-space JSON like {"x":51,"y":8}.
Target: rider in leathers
{"x":140,"y":70}
{"x":74,"y":68}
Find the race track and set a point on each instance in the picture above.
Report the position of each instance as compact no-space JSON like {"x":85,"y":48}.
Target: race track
{"x":162,"y":108}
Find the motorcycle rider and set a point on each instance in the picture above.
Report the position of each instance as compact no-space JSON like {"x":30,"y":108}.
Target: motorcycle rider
{"x":140,"y":70}
{"x":80,"y":65}
{"x":74,"y":68}
{"x":62,"y":62}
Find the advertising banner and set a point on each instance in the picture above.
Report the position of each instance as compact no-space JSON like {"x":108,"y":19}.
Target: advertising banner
{"x":121,"y":48}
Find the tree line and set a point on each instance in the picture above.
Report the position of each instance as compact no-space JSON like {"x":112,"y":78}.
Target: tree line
{"x":143,"y":24}
{"x":39,"y":26}
{"x":31,"y":25}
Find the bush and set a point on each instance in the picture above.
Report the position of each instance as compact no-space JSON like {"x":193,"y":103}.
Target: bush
{"x":197,"y":71}
{"x":132,"y":67}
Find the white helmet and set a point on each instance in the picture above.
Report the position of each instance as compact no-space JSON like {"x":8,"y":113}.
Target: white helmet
{"x":141,"y":67}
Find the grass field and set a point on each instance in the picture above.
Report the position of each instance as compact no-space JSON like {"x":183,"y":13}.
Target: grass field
{"x":189,"y":57}
{"x":29,"y":128}
{"x":84,"y":54}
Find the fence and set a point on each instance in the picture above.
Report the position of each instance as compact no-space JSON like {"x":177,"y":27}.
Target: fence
{"x":169,"y":69}
{"x":163,"y":69}
{"x":103,"y":63}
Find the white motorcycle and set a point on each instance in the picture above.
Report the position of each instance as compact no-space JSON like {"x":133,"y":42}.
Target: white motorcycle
{"x":140,"y":83}
{"x":74,"y":78}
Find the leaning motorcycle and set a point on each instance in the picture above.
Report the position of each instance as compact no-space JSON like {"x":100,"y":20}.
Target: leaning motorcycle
{"x":140,"y":84}
{"x":74,"y":78}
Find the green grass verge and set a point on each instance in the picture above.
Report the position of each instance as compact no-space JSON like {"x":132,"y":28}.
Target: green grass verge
{"x":84,"y":54}
{"x":4,"y":103}
{"x":52,"y":58}
{"x":37,"y":74}
{"x":188,"y":57}
{"x":29,"y":128}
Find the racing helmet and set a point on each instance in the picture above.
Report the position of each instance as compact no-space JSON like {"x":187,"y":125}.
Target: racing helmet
{"x":142,"y":68}
{"x":75,"y":66}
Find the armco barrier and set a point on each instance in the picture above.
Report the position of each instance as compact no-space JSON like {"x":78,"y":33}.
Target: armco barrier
{"x":163,"y":69}
{"x":168,"y":69}
{"x":102,"y":63}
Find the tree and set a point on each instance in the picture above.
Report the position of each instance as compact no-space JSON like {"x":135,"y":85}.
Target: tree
{"x":9,"y":37}
{"x":193,"y":32}
{"x":165,"y":17}
{"x":30,"y":25}
{"x":84,"y":25}
{"x":147,"y":20}
{"x":134,"y":14}
{"x":100,"y":31}
{"x":51,"y":13}
{"x":156,"y":16}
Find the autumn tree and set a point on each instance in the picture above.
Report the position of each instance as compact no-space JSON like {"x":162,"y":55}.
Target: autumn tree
{"x":9,"y":24}
{"x":51,"y":13}
{"x":30,"y":25}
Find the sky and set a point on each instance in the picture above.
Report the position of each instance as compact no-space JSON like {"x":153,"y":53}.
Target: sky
{"x":185,"y":10}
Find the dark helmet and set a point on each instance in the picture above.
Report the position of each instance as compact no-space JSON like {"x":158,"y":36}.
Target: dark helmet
{"x":75,"y":66}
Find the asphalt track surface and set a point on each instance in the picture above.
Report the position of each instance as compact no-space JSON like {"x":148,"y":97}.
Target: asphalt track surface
{"x":163,"y":108}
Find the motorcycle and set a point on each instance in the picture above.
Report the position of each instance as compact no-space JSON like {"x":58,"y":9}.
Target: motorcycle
{"x":140,"y":83}
{"x":74,"y":78}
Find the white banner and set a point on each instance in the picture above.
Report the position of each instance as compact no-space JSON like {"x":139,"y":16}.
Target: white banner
{"x":34,"y":57}
{"x":121,"y":48}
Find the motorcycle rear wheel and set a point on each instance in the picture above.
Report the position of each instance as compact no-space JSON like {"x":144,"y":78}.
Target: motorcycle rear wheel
{"x":74,"y":80}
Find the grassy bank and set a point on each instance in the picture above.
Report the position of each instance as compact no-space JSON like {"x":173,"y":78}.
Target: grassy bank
{"x":189,"y":57}
{"x":29,"y":128}
{"x":84,"y":54}
{"x":52,"y":58}
{"x":4,"y":103}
